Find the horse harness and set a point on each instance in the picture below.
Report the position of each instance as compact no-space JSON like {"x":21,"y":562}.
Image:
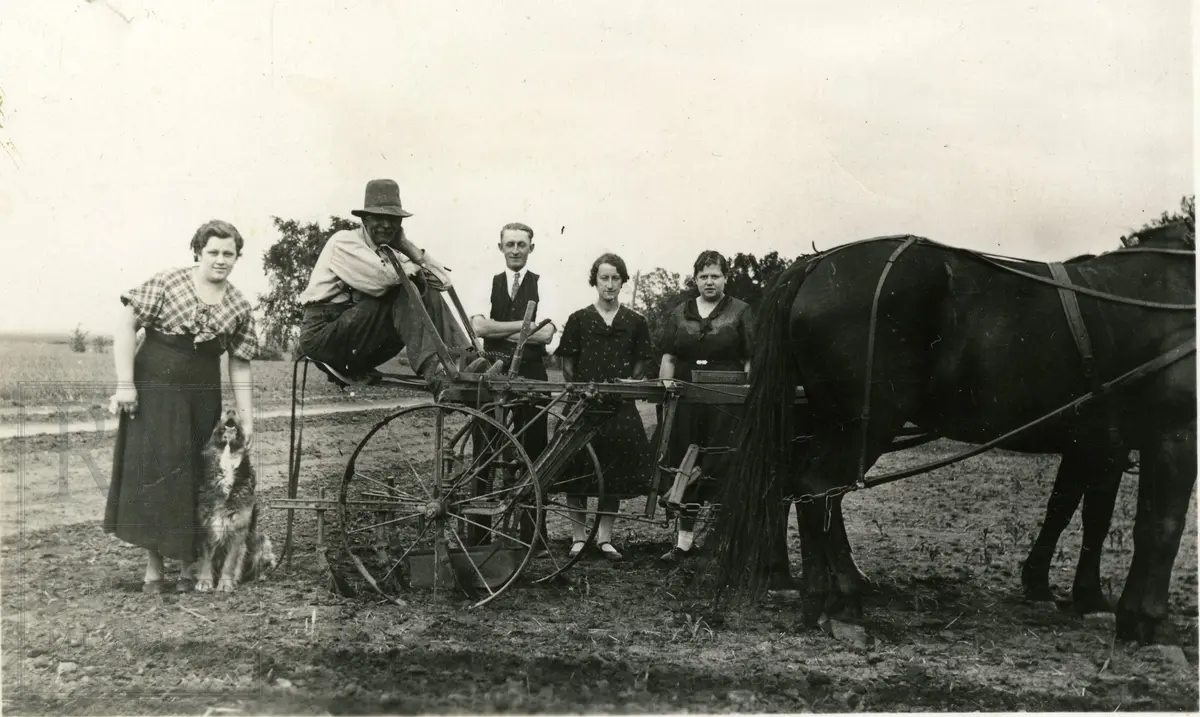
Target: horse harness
{"x":1068,"y":295}
{"x":1083,"y":342}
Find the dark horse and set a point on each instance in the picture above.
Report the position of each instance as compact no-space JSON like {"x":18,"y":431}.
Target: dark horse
{"x":970,"y":347}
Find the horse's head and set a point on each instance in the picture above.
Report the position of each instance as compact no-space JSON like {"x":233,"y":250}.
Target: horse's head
{"x":1175,"y":234}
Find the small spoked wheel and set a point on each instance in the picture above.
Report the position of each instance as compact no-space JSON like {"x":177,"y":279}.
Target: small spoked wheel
{"x":440,"y":496}
{"x":571,"y":507}
{"x":572,"y":490}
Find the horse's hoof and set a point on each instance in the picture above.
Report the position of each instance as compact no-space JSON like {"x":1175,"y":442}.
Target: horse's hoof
{"x":225,"y":586}
{"x":1136,"y":628}
{"x":1039,"y":593}
{"x":1090,"y":604}
{"x":204,"y":586}
{"x":811,"y":610}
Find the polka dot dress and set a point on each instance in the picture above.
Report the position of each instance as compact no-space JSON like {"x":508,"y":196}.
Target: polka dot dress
{"x":605,"y":353}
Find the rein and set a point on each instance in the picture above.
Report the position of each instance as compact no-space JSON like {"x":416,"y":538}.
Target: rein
{"x":1159,"y":362}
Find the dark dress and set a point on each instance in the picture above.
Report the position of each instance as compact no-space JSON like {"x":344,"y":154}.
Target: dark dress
{"x":721,"y":341}
{"x":606,"y":353}
{"x":177,"y":371}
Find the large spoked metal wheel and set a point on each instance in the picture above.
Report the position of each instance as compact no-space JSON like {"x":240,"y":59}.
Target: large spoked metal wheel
{"x":440,"y":496}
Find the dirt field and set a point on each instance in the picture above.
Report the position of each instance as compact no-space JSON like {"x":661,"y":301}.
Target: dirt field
{"x":946,"y":628}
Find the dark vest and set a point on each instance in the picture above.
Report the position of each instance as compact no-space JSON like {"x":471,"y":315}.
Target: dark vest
{"x":506,"y":309}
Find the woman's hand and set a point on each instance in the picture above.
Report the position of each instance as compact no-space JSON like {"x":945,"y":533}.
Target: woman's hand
{"x":126,"y":399}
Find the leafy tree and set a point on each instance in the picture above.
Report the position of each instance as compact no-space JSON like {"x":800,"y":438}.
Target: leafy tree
{"x":749,"y":275}
{"x":78,"y":340}
{"x":288,"y":263}
{"x":1187,"y":211}
{"x":658,"y":291}
{"x":100,"y":344}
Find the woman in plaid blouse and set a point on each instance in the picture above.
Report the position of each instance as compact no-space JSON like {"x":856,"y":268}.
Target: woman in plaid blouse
{"x":169,"y":394}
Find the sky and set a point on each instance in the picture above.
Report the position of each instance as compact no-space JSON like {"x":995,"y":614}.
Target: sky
{"x":654,"y":130}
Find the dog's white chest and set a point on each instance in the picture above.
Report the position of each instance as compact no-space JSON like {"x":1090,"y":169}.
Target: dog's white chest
{"x":221,"y":526}
{"x":229,"y":462}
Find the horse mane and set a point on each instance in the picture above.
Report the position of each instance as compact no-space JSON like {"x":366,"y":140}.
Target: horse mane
{"x":1181,"y":229}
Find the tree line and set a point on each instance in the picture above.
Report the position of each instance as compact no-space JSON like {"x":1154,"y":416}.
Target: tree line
{"x":289,"y":261}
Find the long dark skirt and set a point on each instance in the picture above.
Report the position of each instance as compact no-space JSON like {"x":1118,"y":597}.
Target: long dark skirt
{"x":712,"y":428}
{"x":156,"y":462}
{"x":624,"y":455}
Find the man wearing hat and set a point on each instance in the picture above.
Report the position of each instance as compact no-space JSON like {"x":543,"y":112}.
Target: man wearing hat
{"x":357,"y":314}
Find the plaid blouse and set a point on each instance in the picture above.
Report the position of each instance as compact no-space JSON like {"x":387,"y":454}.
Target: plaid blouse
{"x":168,"y":303}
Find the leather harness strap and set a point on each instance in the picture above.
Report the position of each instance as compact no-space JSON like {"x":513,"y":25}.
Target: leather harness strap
{"x":1083,"y":342}
{"x":1079,"y":331}
{"x":866,"y":406}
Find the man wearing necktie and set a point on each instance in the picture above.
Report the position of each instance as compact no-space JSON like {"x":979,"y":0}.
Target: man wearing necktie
{"x":512,"y":290}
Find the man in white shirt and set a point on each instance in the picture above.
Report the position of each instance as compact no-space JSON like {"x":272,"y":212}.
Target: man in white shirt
{"x":512,"y":290}
{"x":357,"y":314}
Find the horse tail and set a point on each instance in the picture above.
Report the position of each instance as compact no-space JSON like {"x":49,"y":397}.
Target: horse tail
{"x":752,"y":516}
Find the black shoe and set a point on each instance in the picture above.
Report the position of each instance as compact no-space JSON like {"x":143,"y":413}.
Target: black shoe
{"x":437,"y":382}
{"x":479,"y":365}
{"x":368,"y":377}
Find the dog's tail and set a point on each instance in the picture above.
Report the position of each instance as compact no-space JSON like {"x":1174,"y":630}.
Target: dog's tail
{"x":260,"y":553}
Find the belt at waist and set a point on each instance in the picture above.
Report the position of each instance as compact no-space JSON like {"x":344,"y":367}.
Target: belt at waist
{"x":714,"y":364}
{"x":185,"y":342}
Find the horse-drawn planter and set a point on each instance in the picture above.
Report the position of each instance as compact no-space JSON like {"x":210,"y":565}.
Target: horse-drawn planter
{"x":458,"y":508}
{"x":1089,"y":359}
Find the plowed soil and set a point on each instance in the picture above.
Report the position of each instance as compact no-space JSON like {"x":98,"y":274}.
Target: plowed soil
{"x":946,"y":628}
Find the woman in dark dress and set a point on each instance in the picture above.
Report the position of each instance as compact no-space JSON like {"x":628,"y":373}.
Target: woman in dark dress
{"x":714,"y":332}
{"x":609,"y":342}
{"x":169,"y":395}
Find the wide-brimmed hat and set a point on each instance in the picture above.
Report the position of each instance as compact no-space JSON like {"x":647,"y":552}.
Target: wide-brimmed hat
{"x":382,"y":197}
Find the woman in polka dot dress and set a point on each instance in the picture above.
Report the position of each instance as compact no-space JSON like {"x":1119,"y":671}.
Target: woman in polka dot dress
{"x":607,"y":342}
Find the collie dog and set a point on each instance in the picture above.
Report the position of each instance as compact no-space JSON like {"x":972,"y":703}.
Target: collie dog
{"x":229,"y":512}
